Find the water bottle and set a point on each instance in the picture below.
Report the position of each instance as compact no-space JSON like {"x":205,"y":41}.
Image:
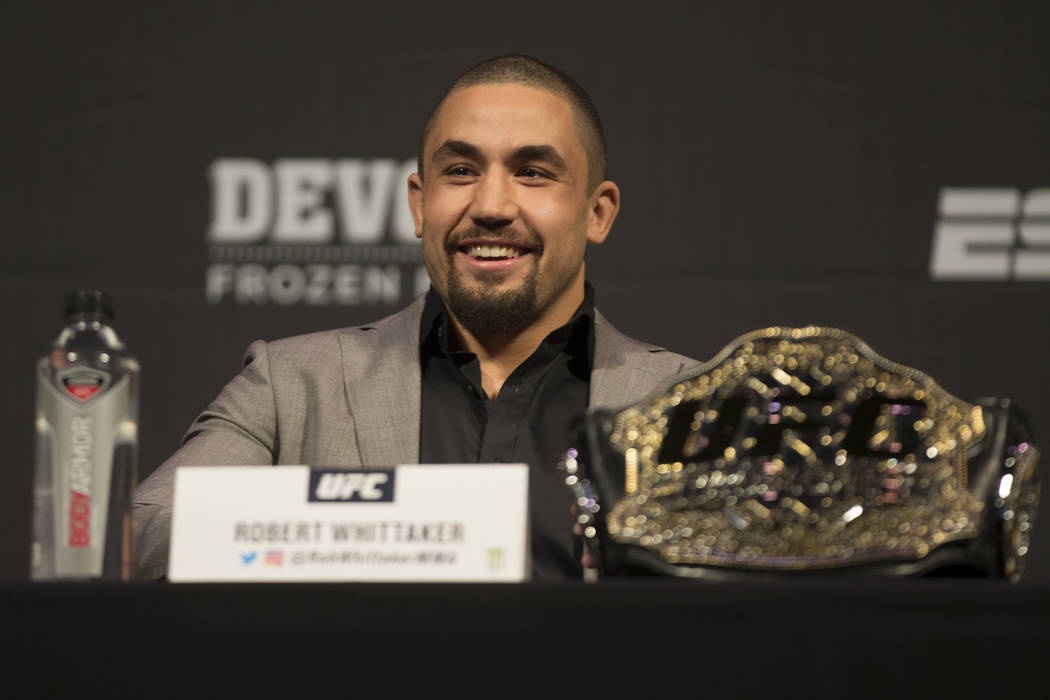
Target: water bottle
{"x":86,"y":448}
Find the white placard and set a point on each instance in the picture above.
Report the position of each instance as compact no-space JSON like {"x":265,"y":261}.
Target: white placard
{"x":431,"y":522}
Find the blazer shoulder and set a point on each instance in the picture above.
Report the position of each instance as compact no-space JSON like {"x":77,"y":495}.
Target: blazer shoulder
{"x":321,"y":346}
{"x":648,"y":354}
{"x":626,"y":370}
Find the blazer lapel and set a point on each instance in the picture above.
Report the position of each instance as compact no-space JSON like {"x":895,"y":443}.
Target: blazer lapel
{"x":383,"y":387}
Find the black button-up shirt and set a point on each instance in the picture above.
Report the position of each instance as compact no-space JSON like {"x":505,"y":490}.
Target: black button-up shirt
{"x":528,"y":421}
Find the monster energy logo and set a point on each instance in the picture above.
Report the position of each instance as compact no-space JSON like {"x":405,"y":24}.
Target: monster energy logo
{"x":496,"y":558}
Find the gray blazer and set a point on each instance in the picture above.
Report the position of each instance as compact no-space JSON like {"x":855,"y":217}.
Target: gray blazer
{"x":348,"y":397}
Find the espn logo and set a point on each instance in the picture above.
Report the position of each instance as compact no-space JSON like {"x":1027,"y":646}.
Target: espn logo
{"x":992,"y":234}
{"x":342,"y":486}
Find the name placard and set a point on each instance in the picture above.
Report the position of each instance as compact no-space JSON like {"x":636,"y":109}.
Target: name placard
{"x":429,"y":522}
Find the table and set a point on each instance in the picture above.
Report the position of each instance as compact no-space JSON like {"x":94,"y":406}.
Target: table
{"x":643,"y":638}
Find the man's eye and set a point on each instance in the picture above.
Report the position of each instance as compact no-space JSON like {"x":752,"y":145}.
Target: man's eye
{"x":531,"y":173}
{"x":459,"y":171}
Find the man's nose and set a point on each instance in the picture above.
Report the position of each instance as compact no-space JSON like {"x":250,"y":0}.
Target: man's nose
{"x":494,"y":202}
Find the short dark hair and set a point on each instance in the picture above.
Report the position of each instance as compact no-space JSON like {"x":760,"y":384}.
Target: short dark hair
{"x":526,"y":70}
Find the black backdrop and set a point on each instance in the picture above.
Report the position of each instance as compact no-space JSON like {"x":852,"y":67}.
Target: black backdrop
{"x":781,"y":163}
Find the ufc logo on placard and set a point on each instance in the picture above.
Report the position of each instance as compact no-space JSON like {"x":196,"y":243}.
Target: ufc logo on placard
{"x":991,"y":234}
{"x":340,"y":485}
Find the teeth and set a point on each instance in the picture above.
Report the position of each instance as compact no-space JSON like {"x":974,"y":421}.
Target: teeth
{"x":492,"y":251}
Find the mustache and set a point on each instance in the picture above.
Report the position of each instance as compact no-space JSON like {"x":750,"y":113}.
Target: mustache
{"x":505,"y":234}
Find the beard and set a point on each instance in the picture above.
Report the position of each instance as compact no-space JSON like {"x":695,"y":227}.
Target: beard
{"x":486,"y":313}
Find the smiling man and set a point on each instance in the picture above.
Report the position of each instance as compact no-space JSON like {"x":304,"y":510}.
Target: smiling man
{"x":495,"y":361}
{"x":508,"y":204}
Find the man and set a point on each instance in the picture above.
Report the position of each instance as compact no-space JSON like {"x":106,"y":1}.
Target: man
{"x":493,"y":364}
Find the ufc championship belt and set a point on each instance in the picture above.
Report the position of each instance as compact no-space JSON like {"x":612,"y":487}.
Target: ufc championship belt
{"x":802,"y":450}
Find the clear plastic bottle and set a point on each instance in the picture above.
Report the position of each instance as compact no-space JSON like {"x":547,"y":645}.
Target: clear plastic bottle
{"x":86,"y":448}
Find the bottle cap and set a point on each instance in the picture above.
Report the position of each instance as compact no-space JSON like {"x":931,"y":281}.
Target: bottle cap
{"x":90,"y":301}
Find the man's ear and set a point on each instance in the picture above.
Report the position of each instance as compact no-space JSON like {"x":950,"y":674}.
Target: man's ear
{"x":604,"y":206}
{"x":415,"y":201}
